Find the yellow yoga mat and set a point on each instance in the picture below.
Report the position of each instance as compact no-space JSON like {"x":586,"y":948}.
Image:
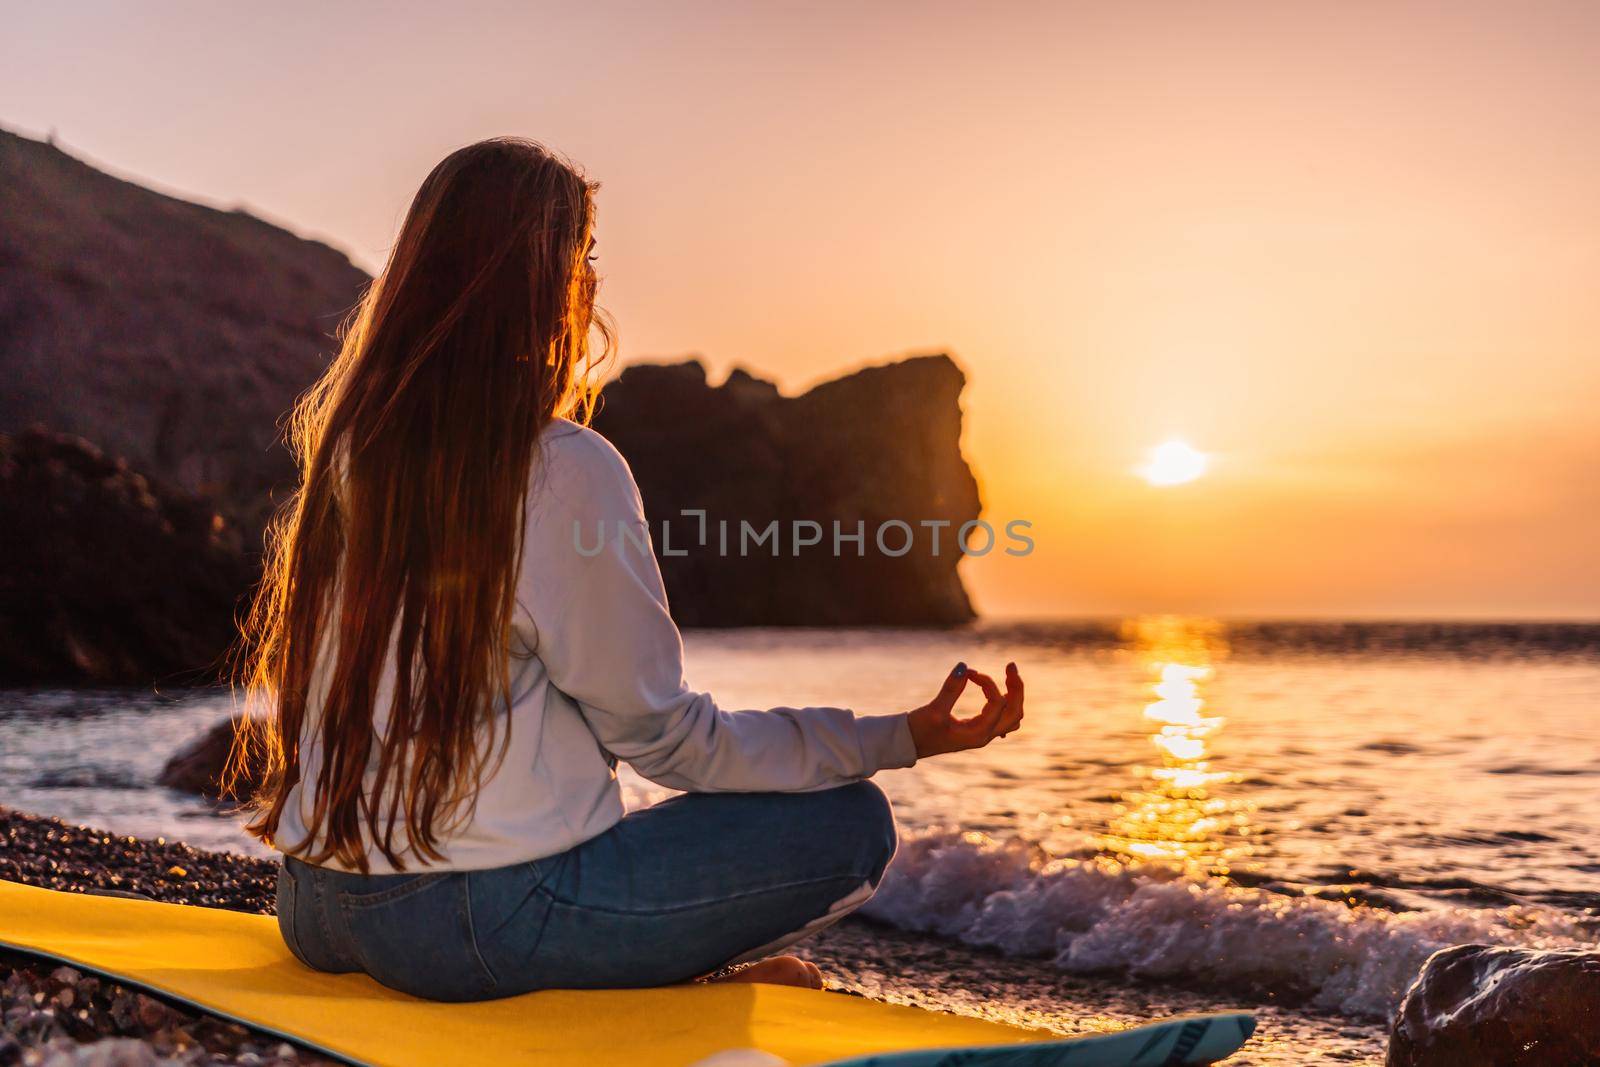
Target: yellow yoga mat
{"x":236,"y":965}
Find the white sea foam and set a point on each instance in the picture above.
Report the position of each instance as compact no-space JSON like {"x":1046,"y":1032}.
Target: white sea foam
{"x":1099,"y":916}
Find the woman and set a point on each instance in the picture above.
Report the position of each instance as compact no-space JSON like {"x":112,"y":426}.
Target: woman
{"x":451,"y":680}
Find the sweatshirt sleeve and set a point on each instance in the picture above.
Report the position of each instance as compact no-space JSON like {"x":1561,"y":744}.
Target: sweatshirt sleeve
{"x":591,"y":586}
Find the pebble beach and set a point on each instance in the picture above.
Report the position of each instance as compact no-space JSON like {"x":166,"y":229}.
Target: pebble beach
{"x":56,"y":1016}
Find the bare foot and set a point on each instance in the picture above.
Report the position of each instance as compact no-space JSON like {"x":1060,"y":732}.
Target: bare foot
{"x":779,"y":970}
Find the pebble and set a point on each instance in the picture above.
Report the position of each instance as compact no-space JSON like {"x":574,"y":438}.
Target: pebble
{"x":57,"y":1016}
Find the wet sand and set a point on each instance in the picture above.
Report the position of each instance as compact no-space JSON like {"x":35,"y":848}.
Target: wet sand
{"x":858,"y":956}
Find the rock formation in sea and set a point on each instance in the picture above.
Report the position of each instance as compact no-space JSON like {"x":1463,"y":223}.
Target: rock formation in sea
{"x":1479,"y":1004}
{"x":201,"y":765}
{"x":173,"y":338}
{"x":880,"y":446}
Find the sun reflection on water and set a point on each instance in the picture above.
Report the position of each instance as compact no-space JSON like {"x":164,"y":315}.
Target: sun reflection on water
{"x":1178,"y":816}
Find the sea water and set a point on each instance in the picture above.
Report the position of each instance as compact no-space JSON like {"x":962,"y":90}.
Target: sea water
{"x":1303,"y":809}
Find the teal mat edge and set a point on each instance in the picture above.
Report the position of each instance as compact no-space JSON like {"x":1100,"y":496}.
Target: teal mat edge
{"x":1035,"y":1053}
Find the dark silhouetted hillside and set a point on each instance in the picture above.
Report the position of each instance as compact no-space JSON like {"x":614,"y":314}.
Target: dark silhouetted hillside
{"x":168,"y":333}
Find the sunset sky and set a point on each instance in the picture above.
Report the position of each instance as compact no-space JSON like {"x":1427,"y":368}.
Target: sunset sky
{"x":1349,"y":251}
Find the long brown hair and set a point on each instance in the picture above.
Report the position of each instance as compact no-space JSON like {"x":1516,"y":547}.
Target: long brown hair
{"x":405,"y":536}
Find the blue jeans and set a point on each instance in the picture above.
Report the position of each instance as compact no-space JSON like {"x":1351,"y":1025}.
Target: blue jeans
{"x":670,"y":893}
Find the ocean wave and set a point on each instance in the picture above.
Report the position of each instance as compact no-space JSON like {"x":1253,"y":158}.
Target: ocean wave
{"x":1099,"y":916}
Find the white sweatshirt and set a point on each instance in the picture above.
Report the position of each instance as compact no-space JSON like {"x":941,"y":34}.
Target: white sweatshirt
{"x":596,"y":677}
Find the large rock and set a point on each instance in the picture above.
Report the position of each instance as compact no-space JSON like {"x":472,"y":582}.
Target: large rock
{"x":878,"y":445}
{"x":1475,"y":1004}
{"x":199,"y":766}
{"x":106,"y":575}
{"x":169,"y":333}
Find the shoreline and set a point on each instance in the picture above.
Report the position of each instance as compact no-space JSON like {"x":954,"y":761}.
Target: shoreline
{"x":858,"y":956}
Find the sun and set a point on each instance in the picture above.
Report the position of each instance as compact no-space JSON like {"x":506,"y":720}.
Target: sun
{"x":1173,"y":463}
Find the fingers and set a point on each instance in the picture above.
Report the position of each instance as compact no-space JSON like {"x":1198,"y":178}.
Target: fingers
{"x":950,"y":691}
{"x":982,"y":726}
{"x":1000,"y":715}
{"x":991,"y":692}
{"x":1014,"y":689}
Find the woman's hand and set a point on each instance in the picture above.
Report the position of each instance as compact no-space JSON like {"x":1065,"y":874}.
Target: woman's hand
{"x":935,"y":730}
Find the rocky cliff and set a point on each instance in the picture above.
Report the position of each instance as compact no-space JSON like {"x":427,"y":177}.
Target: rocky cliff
{"x":170,"y":334}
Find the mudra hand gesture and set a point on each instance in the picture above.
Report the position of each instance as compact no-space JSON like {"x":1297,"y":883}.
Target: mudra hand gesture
{"x":936,"y":730}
